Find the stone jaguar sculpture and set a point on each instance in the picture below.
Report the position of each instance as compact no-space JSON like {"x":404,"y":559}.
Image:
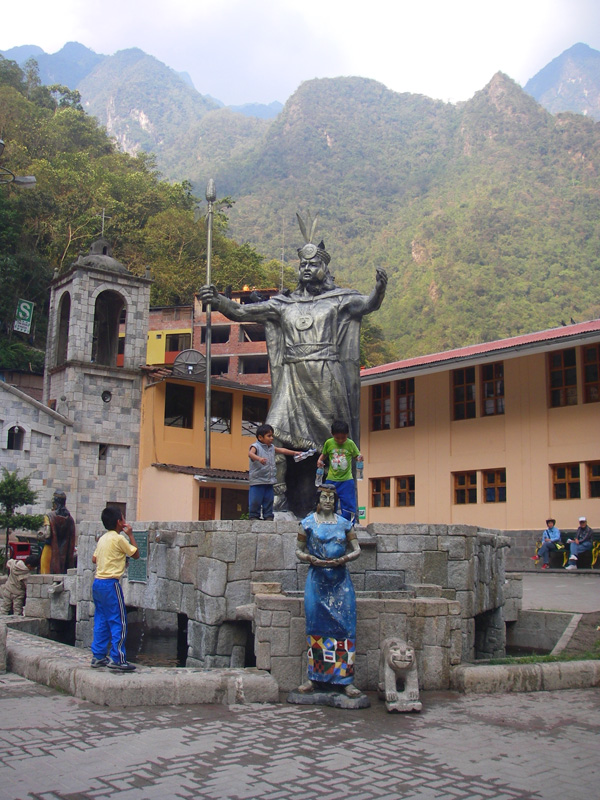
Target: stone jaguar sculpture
{"x":398,"y":677}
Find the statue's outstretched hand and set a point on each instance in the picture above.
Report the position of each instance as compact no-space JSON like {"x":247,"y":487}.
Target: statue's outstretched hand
{"x":381,"y":277}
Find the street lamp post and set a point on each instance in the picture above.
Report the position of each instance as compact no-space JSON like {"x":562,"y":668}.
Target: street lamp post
{"x":7,"y":176}
{"x":211,"y":196}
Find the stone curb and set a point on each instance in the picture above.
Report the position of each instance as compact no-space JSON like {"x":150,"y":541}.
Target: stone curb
{"x":68,"y":670}
{"x":543,"y":677}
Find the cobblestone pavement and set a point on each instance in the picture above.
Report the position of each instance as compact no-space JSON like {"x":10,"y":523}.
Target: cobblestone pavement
{"x":501,"y":747}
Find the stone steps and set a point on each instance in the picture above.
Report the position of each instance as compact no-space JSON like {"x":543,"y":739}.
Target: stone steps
{"x":68,"y":669}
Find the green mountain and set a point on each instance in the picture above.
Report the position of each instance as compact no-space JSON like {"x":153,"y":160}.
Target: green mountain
{"x":74,"y":63}
{"x":260,"y":110}
{"x":142,"y":103}
{"x":570,"y":82}
{"x":485,"y":214}
{"x":67,"y":67}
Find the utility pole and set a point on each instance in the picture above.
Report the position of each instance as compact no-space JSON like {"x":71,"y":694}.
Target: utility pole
{"x":211,"y":196}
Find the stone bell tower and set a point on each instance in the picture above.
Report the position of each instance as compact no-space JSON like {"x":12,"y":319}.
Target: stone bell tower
{"x":97,"y":331}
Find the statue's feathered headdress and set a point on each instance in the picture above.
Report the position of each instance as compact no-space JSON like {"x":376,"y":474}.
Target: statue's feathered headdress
{"x":310,"y":250}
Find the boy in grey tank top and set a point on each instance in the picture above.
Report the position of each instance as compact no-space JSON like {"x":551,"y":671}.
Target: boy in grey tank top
{"x":263,"y":472}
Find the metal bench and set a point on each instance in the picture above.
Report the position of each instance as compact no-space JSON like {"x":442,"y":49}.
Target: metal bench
{"x":559,"y":558}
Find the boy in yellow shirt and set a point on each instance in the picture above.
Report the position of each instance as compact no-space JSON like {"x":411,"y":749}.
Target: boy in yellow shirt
{"x":110,"y":616}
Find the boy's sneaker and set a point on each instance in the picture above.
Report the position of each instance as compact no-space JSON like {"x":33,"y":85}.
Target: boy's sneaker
{"x":99,"y":662}
{"x":572,"y":558}
{"x":124,"y":667}
{"x":545,"y":566}
{"x":571,"y":566}
{"x":535,"y":558}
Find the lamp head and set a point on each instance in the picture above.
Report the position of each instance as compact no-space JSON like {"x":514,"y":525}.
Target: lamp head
{"x":211,"y":191}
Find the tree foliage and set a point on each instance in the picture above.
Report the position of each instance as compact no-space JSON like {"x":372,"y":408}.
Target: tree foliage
{"x":80,"y":174}
{"x":16,"y":492}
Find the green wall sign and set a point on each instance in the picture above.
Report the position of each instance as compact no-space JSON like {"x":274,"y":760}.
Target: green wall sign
{"x":137,"y":571}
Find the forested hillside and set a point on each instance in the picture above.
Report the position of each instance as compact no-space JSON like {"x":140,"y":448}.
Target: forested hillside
{"x":145,"y":105}
{"x":80,"y":173}
{"x":485,"y":214}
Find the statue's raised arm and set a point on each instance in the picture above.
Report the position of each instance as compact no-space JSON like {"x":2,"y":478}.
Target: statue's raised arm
{"x":359,"y":305}
{"x":258,"y":312}
{"x":378,"y":293}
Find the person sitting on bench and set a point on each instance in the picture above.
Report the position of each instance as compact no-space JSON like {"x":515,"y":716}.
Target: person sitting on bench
{"x":550,"y":542}
{"x":583,"y":541}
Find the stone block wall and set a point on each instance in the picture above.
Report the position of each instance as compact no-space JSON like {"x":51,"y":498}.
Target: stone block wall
{"x":467,"y":563}
{"x":432,"y":624}
{"x":205,"y":570}
{"x":538,"y":630}
{"x":522,"y":547}
{"x":47,"y":443}
{"x":51,"y":596}
{"x":513,"y":597}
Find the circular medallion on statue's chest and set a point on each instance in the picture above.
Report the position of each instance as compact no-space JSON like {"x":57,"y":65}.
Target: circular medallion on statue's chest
{"x":303,"y":322}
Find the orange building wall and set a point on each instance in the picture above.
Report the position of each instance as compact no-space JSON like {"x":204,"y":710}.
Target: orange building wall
{"x":167,"y":496}
{"x":526,"y":440}
{"x":176,"y":493}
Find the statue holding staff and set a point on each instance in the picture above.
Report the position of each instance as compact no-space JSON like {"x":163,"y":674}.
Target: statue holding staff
{"x":313,"y":340}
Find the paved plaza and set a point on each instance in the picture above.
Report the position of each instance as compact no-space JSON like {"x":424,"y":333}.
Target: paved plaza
{"x":542,"y":746}
{"x":559,"y":590}
{"x":499,"y":747}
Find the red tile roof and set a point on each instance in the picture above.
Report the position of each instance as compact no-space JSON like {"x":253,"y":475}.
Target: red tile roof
{"x":561,"y":335}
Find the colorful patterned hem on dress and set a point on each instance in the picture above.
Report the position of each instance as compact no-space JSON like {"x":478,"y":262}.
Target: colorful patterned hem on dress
{"x":330,"y":660}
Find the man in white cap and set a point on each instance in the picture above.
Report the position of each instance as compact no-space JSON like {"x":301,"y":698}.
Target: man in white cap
{"x":582,"y":542}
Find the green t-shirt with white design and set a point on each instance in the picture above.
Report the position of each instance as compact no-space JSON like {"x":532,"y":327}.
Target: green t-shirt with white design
{"x":340,"y":459}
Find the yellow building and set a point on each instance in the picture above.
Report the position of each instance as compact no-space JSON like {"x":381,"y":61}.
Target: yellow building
{"x":501,"y":435}
{"x":174,"y":482}
{"x":169,"y":332}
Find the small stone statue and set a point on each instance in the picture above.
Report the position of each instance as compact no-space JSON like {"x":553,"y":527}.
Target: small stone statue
{"x":327,"y":542}
{"x":398,"y":678}
{"x":58,"y":536}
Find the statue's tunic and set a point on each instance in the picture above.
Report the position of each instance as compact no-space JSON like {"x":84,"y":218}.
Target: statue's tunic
{"x":313,"y":345}
{"x":330,"y":604}
{"x":59,"y":554}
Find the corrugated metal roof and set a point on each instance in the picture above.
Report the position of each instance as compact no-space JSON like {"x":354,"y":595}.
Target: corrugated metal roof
{"x":562,"y":335}
{"x":161,"y":373}
{"x":223,"y":475}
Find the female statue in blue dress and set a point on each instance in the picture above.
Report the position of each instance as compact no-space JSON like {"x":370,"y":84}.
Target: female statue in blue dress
{"x":327,"y":542}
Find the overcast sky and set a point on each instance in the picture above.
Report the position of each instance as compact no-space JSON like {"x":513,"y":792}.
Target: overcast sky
{"x":243,"y":51}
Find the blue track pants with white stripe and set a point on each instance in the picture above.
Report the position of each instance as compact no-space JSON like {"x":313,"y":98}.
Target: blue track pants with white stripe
{"x":110,"y":620}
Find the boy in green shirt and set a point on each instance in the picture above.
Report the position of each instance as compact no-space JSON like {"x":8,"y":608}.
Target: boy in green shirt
{"x":338,"y":452}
